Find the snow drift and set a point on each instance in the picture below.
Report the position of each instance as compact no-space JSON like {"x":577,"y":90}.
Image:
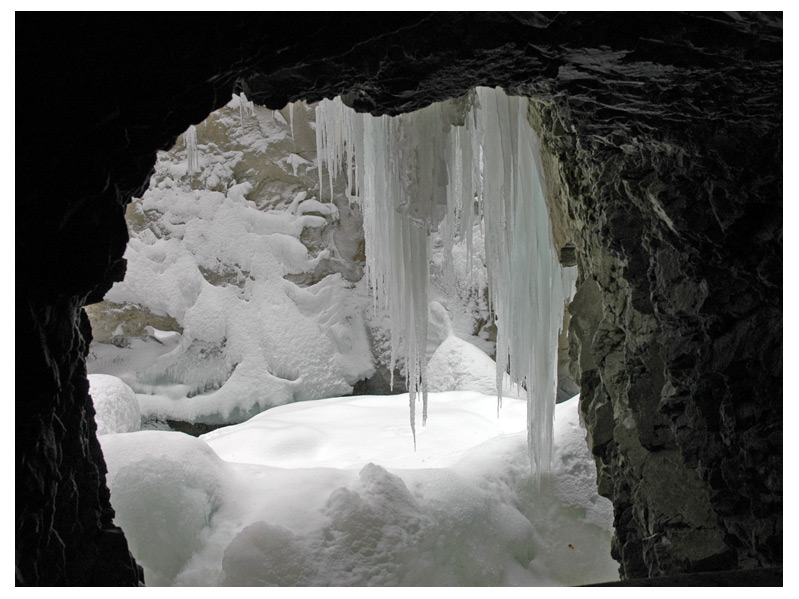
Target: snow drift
{"x":330,"y":492}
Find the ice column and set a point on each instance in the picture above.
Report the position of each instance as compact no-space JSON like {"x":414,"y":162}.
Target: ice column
{"x":526,"y":281}
{"x":191,"y":149}
{"x":246,"y":107}
{"x":383,"y":160}
{"x":433,"y":167}
{"x":291,"y":120}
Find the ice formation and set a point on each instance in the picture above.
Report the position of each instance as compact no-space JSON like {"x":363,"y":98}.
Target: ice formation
{"x":448,"y":165}
{"x":246,"y":107}
{"x":191,"y":149}
{"x":291,"y":120}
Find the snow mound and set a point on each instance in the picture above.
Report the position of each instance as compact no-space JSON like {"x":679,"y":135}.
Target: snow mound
{"x":165,"y":488}
{"x":265,"y":555}
{"x":459,"y":365}
{"x":369,"y":531}
{"x":333,"y":508}
{"x":347,"y":432}
{"x":115,"y":405}
{"x":439,"y":327}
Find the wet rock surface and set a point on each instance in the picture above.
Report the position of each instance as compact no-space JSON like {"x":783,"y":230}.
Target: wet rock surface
{"x":665,"y":134}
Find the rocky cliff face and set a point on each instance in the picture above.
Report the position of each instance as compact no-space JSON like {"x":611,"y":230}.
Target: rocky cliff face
{"x":659,"y":360}
{"x":664,"y":139}
{"x":676,"y":328}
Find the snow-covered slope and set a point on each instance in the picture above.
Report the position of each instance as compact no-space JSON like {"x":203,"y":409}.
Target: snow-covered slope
{"x":331,"y":492}
{"x":254,"y":276}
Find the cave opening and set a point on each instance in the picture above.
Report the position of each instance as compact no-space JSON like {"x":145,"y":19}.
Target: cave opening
{"x":196,"y":260}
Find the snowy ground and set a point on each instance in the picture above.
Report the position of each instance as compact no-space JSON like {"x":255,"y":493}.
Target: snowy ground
{"x":332,"y":493}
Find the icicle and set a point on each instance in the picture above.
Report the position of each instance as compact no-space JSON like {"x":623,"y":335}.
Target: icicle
{"x":320,"y":125}
{"x":245,"y":107}
{"x":291,"y":122}
{"x":350,"y":134}
{"x":330,"y":139}
{"x":191,"y":149}
{"x":529,"y":309}
{"x":416,"y":172}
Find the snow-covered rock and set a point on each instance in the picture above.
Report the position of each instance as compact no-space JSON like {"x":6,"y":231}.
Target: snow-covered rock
{"x":459,"y":365}
{"x":165,"y":488}
{"x":228,"y":251}
{"x":456,"y":364}
{"x":115,"y":405}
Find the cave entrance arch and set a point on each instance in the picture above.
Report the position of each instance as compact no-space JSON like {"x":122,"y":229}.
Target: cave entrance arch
{"x":178,"y":191}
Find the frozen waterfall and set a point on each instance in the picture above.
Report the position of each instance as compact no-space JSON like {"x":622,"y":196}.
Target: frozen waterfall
{"x":476,"y":157}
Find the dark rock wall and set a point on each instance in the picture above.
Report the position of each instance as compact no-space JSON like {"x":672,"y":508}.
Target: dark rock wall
{"x":665,"y":160}
{"x":664,"y":132}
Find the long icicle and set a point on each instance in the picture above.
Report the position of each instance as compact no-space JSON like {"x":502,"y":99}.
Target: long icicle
{"x":412,"y":171}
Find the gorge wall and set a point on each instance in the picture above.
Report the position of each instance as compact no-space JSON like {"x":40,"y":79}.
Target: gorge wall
{"x":663,"y":139}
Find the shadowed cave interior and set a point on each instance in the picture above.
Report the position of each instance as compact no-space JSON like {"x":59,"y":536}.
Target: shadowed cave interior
{"x":662,"y":144}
